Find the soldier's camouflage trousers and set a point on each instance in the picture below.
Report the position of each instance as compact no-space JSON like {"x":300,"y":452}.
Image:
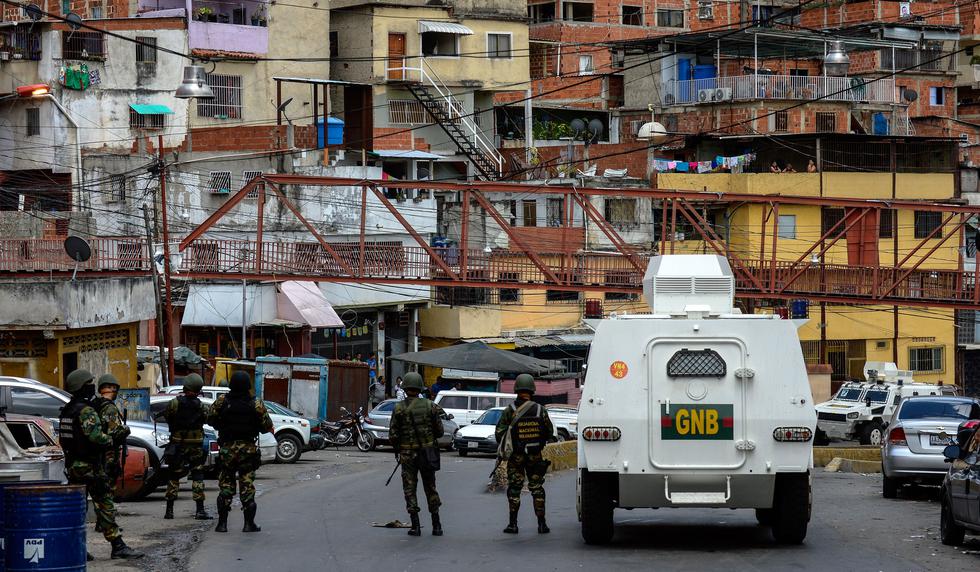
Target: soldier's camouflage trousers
{"x":97,"y":484}
{"x":112,"y":469}
{"x":238,"y":462}
{"x":192,"y":461}
{"x":532,"y":465}
{"x":410,"y":483}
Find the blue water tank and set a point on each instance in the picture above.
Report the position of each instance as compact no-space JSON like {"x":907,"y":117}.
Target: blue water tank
{"x":708,"y":74}
{"x":879,"y":124}
{"x":43,"y":527}
{"x":335,"y":131}
{"x":800,"y":309}
{"x":684,"y":74}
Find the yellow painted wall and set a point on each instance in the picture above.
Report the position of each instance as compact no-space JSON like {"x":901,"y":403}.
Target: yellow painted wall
{"x":459,"y":322}
{"x":853,"y":185}
{"x":495,"y":73}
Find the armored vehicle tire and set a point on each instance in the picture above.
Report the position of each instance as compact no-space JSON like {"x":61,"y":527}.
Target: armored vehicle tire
{"x":950,"y":533}
{"x":872,"y":434}
{"x":597,"y":507}
{"x":764,"y":516}
{"x":791,"y":508}
{"x":821,"y":439}
{"x":889,"y":486}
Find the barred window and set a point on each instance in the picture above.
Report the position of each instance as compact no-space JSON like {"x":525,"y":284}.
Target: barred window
{"x":247,"y":177}
{"x":926,"y":222}
{"x":632,"y":15}
{"x":80,"y":45}
{"x":33,"y":121}
{"x":227,"y":101}
{"x":826,"y":121}
{"x":509,"y":295}
{"x":150,"y":121}
{"x":146,"y":50}
{"x":926,"y":359}
{"x":118,"y":188}
{"x":696,"y":363}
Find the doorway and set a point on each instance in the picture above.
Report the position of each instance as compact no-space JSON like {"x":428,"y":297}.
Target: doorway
{"x":69,"y":363}
{"x":396,"y":56}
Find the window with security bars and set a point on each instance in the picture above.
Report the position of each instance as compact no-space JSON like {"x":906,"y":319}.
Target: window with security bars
{"x":632,"y":15}
{"x":78,"y":45}
{"x":830,"y":216}
{"x":227,"y":100}
{"x":148,"y":121}
{"x":621,"y":213}
{"x":926,"y":222}
{"x":33,"y":121}
{"x":886,"y":223}
{"x":561,"y":296}
{"x":117,"y":188}
{"x":509,"y":295}
{"x":826,"y":121}
{"x":555,"y":211}
{"x":620,"y":279}
{"x":782,"y":121}
{"x":146,"y":50}
{"x":22,"y":43}
{"x":247,"y":177}
{"x":926,"y":359}
{"x":706,"y":10}
{"x":696,"y":363}
{"x":219,"y":182}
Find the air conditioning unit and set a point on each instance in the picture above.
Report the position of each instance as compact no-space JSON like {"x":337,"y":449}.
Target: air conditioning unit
{"x":722,"y":94}
{"x":706,"y":95}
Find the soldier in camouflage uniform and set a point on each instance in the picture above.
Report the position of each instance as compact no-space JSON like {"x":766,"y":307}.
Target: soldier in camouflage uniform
{"x":112,"y":425}
{"x":84,"y":444}
{"x":416,"y":422}
{"x":239,"y":419}
{"x":185,"y":417}
{"x":524,"y":457}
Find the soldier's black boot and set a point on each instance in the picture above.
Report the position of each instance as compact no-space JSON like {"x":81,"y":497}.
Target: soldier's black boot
{"x":416,"y":529}
{"x":169,"y":514}
{"x":436,"y":525}
{"x":249,"y":512}
{"x":201,"y":514}
{"x":222,"y":519}
{"x":543,"y":525}
{"x":120,"y":550}
{"x":512,"y":527}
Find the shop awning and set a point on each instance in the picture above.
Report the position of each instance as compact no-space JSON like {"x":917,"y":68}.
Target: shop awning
{"x":304,"y":302}
{"x":444,"y":27}
{"x":150,"y":109}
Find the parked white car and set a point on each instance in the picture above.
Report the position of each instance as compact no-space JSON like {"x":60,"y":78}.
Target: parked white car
{"x":466,"y":406}
{"x":210,"y":391}
{"x":565,"y":419}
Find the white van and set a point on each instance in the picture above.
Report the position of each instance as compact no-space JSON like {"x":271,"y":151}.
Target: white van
{"x":466,"y":406}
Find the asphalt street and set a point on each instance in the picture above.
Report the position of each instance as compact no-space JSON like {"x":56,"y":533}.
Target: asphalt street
{"x":326,"y":525}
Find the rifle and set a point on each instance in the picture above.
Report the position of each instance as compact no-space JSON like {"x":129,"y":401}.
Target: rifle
{"x":124,"y":450}
{"x":495,"y":467}
{"x":398,"y":464}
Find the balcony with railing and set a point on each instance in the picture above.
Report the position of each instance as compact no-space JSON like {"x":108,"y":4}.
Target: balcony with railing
{"x":917,"y":60}
{"x":218,"y":25}
{"x":777,"y":87}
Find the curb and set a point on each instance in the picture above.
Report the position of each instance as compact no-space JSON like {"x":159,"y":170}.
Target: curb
{"x":840,"y":465}
{"x":562,"y":455}
{"x":822,"y":456}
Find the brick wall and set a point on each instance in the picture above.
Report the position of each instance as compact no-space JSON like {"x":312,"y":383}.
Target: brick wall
{"x":631,"y":156}
{"x":392,"y":138}
{"x":944,"y":12}
{"x":239,"y":138}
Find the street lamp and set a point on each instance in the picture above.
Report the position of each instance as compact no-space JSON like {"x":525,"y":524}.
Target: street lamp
{"x":195,"y":84}
{"x":836,"y":62}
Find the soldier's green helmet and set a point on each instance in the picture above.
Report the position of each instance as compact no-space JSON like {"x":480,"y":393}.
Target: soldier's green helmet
{"x":193,"y":382}
{"x":108,"y":379}
{"x":78,"y":379}
{"x":524,"y":382}
{"x":412,"y":381}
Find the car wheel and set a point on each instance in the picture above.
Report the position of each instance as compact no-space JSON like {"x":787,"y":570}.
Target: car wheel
{"x":597,"y":507}
{"x":872,"y":434}
{"x":950,"y":533}
{"x":462,"y":452}
{"x":563,"y":435}
{"x":821,"y":439}
{"x":764,"y":516}
{"x":288,"y":448}
{"x":889,"y":486}
{"x":791,"y":508}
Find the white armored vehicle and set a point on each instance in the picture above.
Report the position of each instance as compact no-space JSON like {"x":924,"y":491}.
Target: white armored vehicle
{"x":861,"y":410}
{"x":695,"y":406}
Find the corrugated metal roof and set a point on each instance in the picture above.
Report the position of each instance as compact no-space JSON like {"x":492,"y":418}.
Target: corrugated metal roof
{"x":150,"y":109}
{"x":444,"y":27}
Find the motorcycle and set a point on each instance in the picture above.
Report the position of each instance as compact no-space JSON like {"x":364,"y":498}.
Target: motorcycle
{"x":349,"y":428}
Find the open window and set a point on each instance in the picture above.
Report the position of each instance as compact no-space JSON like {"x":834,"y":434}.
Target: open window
{"x":441,"y":39}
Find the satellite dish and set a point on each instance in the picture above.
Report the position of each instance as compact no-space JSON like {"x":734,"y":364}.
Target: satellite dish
{"x":578,"y":126}
{"x":74,"y":21}
{"x":77,"y":249}
{"x":910,"y":95}
{"x":33,"y":12}
{"x":596,"y":128}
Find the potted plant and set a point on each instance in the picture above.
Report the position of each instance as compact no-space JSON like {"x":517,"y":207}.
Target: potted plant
{"x":258,"y":17}
{"x":204,"y":14}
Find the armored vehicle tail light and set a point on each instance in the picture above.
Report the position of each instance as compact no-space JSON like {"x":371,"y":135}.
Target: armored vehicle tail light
{"x":601,"y":434}
{"x":797,"y":434}
{"x":897,"y":437}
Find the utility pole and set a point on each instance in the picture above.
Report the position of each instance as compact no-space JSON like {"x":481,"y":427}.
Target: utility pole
{"x":168,"y":332}
{"x":244,"y":352}
{"x":161,"y":329}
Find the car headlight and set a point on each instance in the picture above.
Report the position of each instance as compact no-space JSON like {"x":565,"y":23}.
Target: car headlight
{"x":853,"y":415}
{"x":304,"y":423}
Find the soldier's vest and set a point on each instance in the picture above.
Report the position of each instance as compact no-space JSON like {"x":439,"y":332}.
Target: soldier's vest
{"x":187,"y":424}
{"x":418,"y":414}
{"x":74,"y":443}
{"x":530,"y":433}
{"x":239,"y":420}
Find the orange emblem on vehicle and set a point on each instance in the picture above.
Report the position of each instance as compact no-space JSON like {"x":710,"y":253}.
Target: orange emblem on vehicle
{"x":618,"y":369}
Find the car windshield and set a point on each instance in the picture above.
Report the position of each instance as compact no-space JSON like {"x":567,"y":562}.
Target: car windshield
{"x":280,"y":410}
{"x":388,"y":406}
{"x":935,"y":409}
{"x":489,"y":417}
{"x":877,"y":395}
{"x":849,"y":393}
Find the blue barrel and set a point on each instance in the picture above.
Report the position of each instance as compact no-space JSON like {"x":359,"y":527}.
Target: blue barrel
{"x":800,"y":309}
{"x":3,"y":486}
{"x":44,"y":527}
{"x":708,"y":74}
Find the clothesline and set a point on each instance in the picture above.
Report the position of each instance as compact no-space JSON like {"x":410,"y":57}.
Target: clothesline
{"x":719,"y":163}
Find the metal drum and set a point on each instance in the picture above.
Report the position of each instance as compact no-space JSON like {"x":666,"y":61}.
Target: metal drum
{"x":43,"y":527}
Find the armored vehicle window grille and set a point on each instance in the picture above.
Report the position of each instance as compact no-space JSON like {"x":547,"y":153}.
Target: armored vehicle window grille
{"x":696,"y":363}
{"x":832,"y":416}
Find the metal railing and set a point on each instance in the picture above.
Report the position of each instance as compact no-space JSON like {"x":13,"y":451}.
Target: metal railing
{"x":749,"y":87}
{"x":428,"y":77}
{"x":922,"y":60}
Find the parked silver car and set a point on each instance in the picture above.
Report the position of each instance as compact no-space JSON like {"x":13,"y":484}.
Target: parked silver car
{"x":379,"y":419}
{"x":920,"y":430}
